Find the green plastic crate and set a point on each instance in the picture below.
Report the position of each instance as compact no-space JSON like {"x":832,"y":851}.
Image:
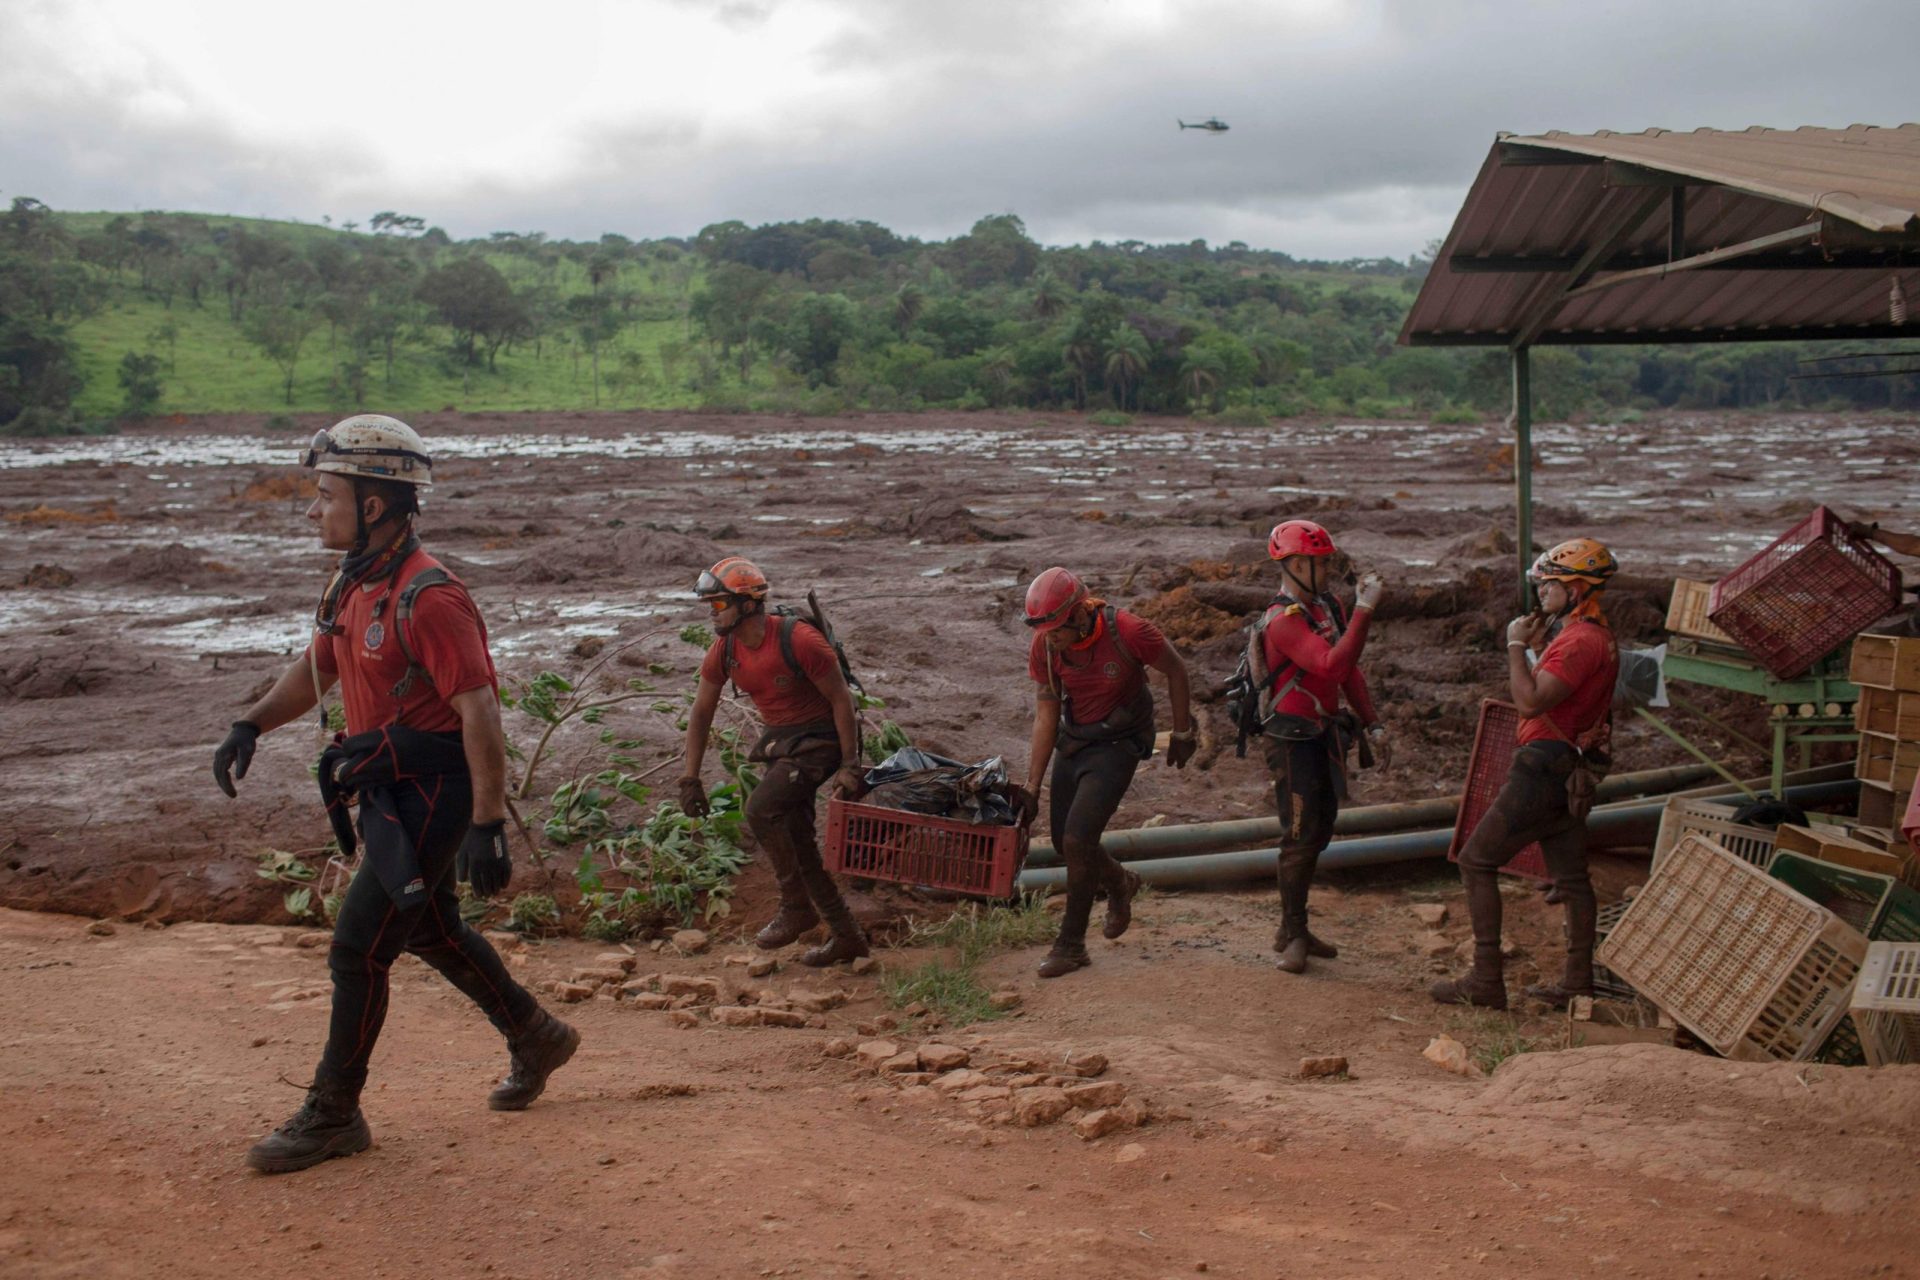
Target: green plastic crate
{"x":1879,"y":906}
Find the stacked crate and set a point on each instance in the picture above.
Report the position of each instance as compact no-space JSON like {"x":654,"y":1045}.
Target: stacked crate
{"x":1887,"y":669}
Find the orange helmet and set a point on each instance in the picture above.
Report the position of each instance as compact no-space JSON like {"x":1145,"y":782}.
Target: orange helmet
{"x":1584,"y":558}
{"x":1051,"y":597}
{"x":733,"y":576}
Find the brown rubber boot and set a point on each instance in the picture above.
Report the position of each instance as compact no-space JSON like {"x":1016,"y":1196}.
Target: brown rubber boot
{"x":1293,"y":954}
{"x":542,"y":1050}
{"x":788,"y":924}
{"x":328,"y":1124}
{"x":1120,"y":891}
{"x":838,"y":946}
{"x":1320,"y":950}
{"x":1064,"y":959}
{"x":1483,"y":987}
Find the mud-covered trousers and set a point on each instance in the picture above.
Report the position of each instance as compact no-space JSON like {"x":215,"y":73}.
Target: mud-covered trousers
{"x":780,"y":813}
{"x":1306,"y":796}
{"x":1532,"y":806}
{"x":1087,"y":787}
{"x":371,"y":931}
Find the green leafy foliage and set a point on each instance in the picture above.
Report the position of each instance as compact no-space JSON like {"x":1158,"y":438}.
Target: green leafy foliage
{"x":533,"y":914}
{"x":950,"y":986}
{"x":889,"y":738}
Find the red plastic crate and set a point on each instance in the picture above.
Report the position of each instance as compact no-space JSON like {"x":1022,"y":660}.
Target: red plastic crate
{"x":914,"y":848}
{"x":1806,"y":595}
{"x":1493,"y":748}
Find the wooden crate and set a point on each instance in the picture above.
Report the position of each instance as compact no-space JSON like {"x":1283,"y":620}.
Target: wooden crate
{"x":1888,"y":712}
{"x":1882,"y":805}
{"x":1687,"y":613}
{"x":1890,"y":761}
{"x":1885,"y":662}
{"x":1863,"y":850}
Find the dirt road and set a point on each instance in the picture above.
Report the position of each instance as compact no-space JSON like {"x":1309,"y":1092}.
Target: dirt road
{"x":138,"y":1067}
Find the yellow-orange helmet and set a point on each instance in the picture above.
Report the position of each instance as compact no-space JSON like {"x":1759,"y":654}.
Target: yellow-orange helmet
{"x":733,"y":576}
{"x":1584,"y":558}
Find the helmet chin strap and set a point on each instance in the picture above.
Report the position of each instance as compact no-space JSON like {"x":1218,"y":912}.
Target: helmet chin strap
{"x":1302,"y":591}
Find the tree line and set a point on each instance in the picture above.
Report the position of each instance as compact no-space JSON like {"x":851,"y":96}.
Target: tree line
{"x":820,"y":316}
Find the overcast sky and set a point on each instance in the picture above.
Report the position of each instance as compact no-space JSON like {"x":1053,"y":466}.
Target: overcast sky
{"x":1357,"y":125}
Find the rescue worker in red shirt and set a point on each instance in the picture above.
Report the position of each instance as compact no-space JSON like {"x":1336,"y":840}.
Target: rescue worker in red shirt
{"x":792,"y":674}
{"x":1312,"y":650}
{"x":1088,"y":662}
{"x":1566,"y":702}
{"x":425,"y":754}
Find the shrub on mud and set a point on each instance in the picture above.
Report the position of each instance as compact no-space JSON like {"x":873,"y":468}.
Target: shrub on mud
{"x":1110,"y":418}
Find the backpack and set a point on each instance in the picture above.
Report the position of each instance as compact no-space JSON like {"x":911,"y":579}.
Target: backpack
{"x":1252,"y":691}
{"x":403,"y":614}
{"x":784,"y":618}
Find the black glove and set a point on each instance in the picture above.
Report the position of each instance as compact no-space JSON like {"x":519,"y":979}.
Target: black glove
{"x":1180,"y":748}
{"x":1026,"y":805}
{"x":231,"y":758}
{"x":693,"y":798}
{"x":483,"y":860}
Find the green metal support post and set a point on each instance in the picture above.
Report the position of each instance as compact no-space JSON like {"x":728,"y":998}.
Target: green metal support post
{"x":1523,"y":465}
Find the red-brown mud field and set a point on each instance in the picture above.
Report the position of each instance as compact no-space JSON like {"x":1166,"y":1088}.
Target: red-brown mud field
{"x":154,"y":582}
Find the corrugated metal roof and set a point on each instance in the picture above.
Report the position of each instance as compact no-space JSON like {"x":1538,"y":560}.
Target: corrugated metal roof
{"x":1843,"y":205}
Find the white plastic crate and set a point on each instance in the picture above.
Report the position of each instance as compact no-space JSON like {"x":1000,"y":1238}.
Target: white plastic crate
{"x":1886,"y":1003}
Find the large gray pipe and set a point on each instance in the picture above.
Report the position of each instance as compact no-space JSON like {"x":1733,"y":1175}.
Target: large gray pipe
{"x":1206,"y":837}
{"x":1630,"y":823}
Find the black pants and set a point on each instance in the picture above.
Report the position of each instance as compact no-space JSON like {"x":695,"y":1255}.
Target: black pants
{"x":372,"y":931}
{"x":780,"y":813}
{"x":1532,"y":805}
{"x":1087,"y":788}
{"x":1306,"y":796}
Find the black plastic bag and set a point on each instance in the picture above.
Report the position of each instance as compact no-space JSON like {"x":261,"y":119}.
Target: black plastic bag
{"x":920,"y":782}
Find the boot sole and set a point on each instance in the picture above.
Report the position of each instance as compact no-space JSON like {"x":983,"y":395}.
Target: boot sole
{"x":521,"y":1104}
{"x":346,"y":1143}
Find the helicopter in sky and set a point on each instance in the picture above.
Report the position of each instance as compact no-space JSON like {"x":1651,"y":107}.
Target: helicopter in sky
{"x":1212,"y":124}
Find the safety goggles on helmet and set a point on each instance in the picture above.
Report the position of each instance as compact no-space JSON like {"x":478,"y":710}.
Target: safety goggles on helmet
{"x":1047,"y":621}
{"x":707,"y":587}
{"x":324,"y":445}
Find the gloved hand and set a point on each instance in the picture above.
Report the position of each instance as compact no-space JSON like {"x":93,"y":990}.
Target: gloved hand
{"x":1862,"y":528}
{"x":1026,"y":805}
{"x":849,"y":783}
{"x":1525,"y":629}
{"x":483,"y":860}
{"x":693,"y":798}
{"x":1382,"y":744}
{"x":1371,"y":589}
{"x":1180,"y":748}
{"x":231,"y":757}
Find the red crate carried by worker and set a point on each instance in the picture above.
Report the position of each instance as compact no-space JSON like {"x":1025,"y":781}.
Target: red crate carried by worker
{"x":1493,"y":747}
{"x":1806,"y":595}
{"x":981,"y":858}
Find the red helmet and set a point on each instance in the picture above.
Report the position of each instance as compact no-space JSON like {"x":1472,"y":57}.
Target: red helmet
{"x":1298,"y":538}
{"x":733,"y":576}
{"x":1051,"y":598}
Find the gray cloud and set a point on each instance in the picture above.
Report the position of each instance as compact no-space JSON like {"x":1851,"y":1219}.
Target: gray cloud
{"x":1350,"y":141}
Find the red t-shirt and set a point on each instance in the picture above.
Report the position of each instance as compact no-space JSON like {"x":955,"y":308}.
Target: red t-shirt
{"x":1582,"y":657}
{"x":1299,"y":637}
{"x":762,"y":673}
{"x":1098,"y":678}
{"x":447,"y":636}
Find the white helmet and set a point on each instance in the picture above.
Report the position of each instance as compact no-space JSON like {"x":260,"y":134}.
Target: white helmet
{"x":371,"y":446}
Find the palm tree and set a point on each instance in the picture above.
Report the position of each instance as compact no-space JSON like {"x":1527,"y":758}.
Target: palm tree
{"x":908,"y":303}
{"x":1079,"y":356}
{"x":1127,"y":357}
{"x":996,"y":369}
{"x":1048,"y":299}
{"x":1200,"y":375}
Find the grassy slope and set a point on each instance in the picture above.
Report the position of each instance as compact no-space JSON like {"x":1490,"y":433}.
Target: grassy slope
{"x":216,"y":370}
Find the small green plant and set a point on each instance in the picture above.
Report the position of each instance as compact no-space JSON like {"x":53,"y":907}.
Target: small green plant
{"x":533,"y":914}
{"x":1243,"y":415}
{"x":286,"y":868}
{"x":1491,"y":1037}
{"x":950,"y":990}
{"x":1110,"y":418}
{"x":888,"y":739}
{"x":279,"y":422}
{"x":951,"y":987}
{"x":140,"y":385}
{"x":1455,"y":416}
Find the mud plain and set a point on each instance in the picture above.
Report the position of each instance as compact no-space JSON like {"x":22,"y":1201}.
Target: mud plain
{"x":174,"y":576}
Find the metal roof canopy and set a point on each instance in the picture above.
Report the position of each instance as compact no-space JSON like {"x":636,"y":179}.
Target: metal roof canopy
{"x":1658,"y":237}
